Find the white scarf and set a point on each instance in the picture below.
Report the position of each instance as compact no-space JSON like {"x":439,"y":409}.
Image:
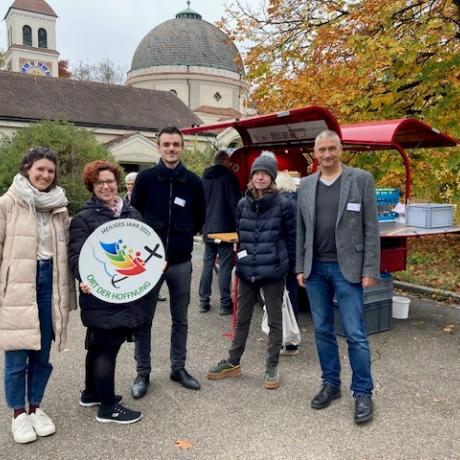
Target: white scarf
{"x":36,"y":200}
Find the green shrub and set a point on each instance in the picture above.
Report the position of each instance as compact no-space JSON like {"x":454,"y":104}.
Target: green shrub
{"x":74,"y":146}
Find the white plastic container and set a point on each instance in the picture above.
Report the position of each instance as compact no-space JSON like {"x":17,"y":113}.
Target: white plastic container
{"x":401,"y":307}
{"x":429,"y":215}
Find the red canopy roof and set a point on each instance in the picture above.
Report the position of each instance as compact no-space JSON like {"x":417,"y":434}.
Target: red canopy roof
{"x":406,"y":132}
{"x":277,"y":128}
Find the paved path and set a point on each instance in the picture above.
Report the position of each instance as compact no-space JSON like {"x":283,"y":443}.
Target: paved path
{"x":416,"y":369}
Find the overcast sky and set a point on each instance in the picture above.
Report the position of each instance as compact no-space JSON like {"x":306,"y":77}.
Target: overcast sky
{"x":93,"y":30}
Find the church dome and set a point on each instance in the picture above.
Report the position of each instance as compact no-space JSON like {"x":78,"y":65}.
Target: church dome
{"x":187,"y":40}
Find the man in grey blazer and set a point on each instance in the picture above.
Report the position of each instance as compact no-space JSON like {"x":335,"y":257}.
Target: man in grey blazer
{"x":338,"y":254}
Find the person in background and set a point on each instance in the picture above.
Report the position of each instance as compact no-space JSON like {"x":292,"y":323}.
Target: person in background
{"x":108,"y":325}
{"x":222,"y":193}
{"x":37,"y":288}
{"x":338,"y":254}
{"x":130,"y":178}
{"x":287,"y":188}
{"x":171,"y":200}
{"x":266,"y":228}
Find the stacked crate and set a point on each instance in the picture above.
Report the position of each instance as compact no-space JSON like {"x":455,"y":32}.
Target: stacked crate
{"x":387,"y":199}
{"x":377,"y":307}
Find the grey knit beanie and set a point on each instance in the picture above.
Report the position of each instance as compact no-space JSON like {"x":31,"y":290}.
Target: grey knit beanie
{"x":266,"y":161}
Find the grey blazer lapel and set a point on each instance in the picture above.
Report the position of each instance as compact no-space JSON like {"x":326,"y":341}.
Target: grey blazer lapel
{"x":311,"y":192}
{"x":344,"y":189}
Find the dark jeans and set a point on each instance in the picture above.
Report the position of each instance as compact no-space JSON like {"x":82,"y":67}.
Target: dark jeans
{"x":248,"y":294}
{"x":100,"y":372}
{"x":225,"y":253}
{"x":27,"y":369}
{"x":325,"y":280}
{"x":178,"y":278}
{"x":291,"y":286}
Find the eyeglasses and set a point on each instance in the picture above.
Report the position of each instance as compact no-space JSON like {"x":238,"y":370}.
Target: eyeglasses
{"x":108,"y":182}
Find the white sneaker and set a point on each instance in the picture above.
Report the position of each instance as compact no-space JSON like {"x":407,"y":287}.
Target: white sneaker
{"x":41,"y":423}
{"x":22,"y":429}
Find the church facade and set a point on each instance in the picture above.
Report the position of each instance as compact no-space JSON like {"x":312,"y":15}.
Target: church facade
{"x":186,"y":68}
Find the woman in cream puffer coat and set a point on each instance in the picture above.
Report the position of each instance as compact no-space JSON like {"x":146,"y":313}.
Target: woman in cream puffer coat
{"x":36,"y":288}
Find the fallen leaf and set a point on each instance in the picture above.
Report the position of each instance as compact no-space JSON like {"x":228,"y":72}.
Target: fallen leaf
{"x":449,"y":329}
{"x":183,"y":444}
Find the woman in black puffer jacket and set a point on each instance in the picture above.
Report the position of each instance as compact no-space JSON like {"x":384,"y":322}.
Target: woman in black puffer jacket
{"x":266,"y":231}
{"x":109,"y":324}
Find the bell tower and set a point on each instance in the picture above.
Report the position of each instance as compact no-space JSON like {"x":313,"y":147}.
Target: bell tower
{"x":31,"y":38}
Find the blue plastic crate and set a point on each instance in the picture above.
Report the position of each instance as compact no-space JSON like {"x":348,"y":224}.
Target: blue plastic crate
{"x":387,"y":196}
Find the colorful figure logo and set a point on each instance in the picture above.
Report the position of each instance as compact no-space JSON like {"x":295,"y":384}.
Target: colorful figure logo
{"x":124,"y":260}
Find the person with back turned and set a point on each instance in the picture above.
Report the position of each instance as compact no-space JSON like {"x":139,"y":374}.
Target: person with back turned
{"x":222,"y":193}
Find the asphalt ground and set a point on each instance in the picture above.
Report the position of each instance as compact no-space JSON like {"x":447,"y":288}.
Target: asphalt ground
{"x":416,"y":370}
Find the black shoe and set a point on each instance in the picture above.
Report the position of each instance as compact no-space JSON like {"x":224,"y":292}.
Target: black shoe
{"x":91,"y":400}
{"x":185,"y":379}
{"x":118,"y":414}
{"x":161,"y":298}
{"x":204,"y":307}
{"x":140,"y":386}
{"x":225,"y":311}
{"x":364,"y":408}
{"x":325,"y":396}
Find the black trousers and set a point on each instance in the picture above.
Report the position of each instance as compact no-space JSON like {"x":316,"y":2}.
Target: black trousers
{"x":248,"y":294}
{"x":100,"y":371}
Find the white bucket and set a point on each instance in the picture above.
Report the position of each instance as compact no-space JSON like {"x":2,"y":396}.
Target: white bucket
{"x":400,"y":307}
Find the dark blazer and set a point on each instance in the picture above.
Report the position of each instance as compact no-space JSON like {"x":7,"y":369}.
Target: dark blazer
{"x":96,"y":313}
{"x":266,"y":230}
{"x":356,"y":232}
{"x":172,"y":202}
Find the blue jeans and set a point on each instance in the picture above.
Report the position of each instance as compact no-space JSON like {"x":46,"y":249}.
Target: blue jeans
{"x":225,"y":252}
{"x":324,"y":281}
{"x":26,"y":369}
{"x":178,"y":278}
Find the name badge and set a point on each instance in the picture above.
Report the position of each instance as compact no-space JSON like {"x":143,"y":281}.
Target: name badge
{"x":242,"y":254}
{"x":356,"y":207}
{"x":179,"y":201}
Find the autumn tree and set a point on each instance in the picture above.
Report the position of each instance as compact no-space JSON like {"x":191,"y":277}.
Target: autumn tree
{"x":365,"y":60}
{"x":63,"y":69}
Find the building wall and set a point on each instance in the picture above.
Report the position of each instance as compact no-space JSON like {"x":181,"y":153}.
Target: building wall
{"x":195,"y":86}
{"x":17,"y":19}
{"x":15,"y":58}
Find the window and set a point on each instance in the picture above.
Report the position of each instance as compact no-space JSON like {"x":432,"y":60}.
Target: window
{"x":27,"y":36}
{"x":42,"y":38}
{"x":217,"y":96}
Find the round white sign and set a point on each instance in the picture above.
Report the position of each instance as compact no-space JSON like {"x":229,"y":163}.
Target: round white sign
{"x":122,"y":260}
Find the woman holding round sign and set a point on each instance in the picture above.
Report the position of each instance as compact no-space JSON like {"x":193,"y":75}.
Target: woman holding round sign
{"x":37,"y":289}
{"x":117,"y":259}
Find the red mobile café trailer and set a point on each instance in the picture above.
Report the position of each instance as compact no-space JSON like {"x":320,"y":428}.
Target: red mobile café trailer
{"x":291,"y":134}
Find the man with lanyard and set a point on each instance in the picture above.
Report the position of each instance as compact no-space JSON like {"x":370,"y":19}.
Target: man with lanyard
{"x":338,"y":254}
{"x":171,"y":200}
